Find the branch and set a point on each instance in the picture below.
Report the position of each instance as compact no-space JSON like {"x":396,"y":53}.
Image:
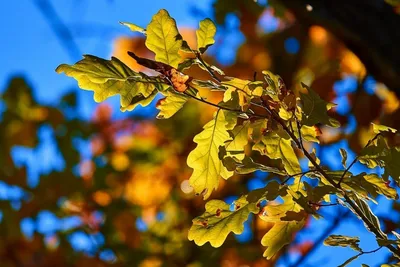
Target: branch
{"x":61,"y":31}
{"x":335,"y":224}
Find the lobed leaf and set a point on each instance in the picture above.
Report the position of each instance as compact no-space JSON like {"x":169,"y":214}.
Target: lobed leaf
{"x":204,"y":159}
{"x":277,"y":147}
{"x":107,"y":78}
{"x":218,"y":221}
{"x":205,"y":35}
{"x":164,"y":39}
{"x":285,"y":224}
{"x":315,"y":109}
{"x":343,"y":241}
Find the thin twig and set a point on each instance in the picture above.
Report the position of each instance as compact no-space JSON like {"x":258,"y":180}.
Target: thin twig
{"x":61,"y":31}
{"x":356,"y":158}
{"x":209,"y":70}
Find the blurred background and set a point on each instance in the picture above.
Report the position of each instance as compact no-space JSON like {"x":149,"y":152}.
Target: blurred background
{"x":83,"y":184}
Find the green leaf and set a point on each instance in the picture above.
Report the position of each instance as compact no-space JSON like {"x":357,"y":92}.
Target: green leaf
{"x":315,"y":109}
{"x":205,"y":35}
{"x":343,"y":241}
{"x":164,"y":39}
{"x":204,"y":159}
{"x":111,"y":77}
{"x":382,"y":128}
{"x":391,"y":161}
{"x":277,"y":147}
{"x":279,"y":235}
{"x":139,"y":100}
{"x":171,"y":104}
{"x":134,"y":27}
{"x":343,"y":153}
{"x":218,"y":221}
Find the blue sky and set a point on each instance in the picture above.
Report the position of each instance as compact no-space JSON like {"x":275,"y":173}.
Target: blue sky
{"x":30,"y":48}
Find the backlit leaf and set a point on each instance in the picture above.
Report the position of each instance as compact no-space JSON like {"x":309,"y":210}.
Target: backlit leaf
{"x":111,"y":77}
{"x":382,"y":128}
{"x":245,"y":89}
{"x":279,"y":235}
{"x":315,"y":109}
{"x":277,"y":147}
{"x":205,"y":35}
{"x":207,"y":167}
{"x":218,"y":221}
{"x":163,"y":38}
{"x":134,"y":27}
{"x":282,"y":231}
{"x":343,"y":241}
{"x":172,"y":103}
{"x":367,"y":212}
{"x":343,"y":153}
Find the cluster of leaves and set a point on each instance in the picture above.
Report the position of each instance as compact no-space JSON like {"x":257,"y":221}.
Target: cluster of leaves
{"x":253,"y":120}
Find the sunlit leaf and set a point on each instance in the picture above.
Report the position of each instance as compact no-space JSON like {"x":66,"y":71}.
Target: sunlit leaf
{"x":205,"y":35}
{"x":171,"y":104}
{"x":111,"y":77}
{"x":279,"y":235}
{"x":367,"y":213}
{"x":315,"y":109}
{"x":134,"y":27}
{"x":275,"y":83}
{"x":382,"y":128}
{"x":239,"y":139}
{"x":343,"y":241}
{"x":282,"y":231}
{"x":207,"y":167}
{"x":163,"y":39}
{"x":343,"y":153}
{"x":245,"y":89}
{"x":277,"y":147}
{"x":218,"y":221}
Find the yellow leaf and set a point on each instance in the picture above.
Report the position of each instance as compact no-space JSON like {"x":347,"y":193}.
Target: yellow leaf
{"x":164,"y":39}
{"x":134,"y":27}
{"x":279,"y":235}
{"x":204,"y":160}
{"x":111,"y":77}
{"x":218,"y":221}
{"x":205,"y":35}
{"x":171,"y":104}
{"x":277,"y":147}
{"x":245,"y":89}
